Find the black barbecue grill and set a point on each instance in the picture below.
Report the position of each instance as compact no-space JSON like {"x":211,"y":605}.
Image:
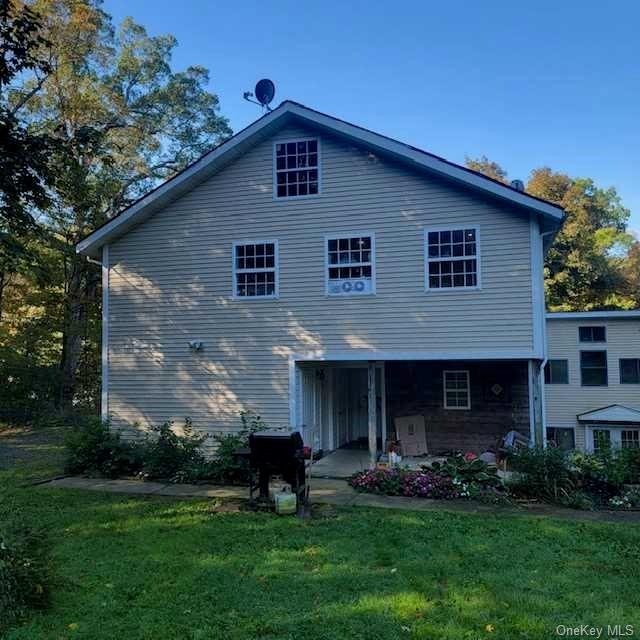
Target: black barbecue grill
{"x":277,"y":453}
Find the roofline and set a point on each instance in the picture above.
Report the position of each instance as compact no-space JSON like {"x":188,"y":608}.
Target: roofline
{"x":609,"y":406}
{"x":414,"y":156}
{"x":594,"y":315}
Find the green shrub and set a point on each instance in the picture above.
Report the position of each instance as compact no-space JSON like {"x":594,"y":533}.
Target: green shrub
{"x":24,"y":575}
{"x":578,"y":500}
{"x":469,"y":470}
{"x":167,"y":455}
{"x":543,"y":473}
{"x":225,"y":466}
{"x":93,"y":448}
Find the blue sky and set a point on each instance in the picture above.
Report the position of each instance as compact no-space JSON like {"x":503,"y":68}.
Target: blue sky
{"x":527,"y":84}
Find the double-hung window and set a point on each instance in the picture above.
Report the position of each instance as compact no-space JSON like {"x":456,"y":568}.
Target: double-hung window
{"x":629,"y":370}
{"x":297,"y":168}
{"x":592,"y":334}
{"x":593,"y":368}
{"x":457,"y":390}
{"x":451,"y":258}
{"x":350,"y":260}
{"x":255,"y":269}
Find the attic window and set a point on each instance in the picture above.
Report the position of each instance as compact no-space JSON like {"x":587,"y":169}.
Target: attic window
{"x":297,"y":168}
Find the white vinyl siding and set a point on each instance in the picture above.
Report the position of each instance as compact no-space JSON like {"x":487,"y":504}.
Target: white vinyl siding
{"x":170,"y":283}
{"x":565,"y":402}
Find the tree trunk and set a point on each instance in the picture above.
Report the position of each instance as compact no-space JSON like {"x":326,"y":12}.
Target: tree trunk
{"x":3,"y":284}
{"x":81,"y":293}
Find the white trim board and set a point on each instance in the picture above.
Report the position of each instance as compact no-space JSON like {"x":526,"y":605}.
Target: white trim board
{"x":360,"y":355}
{"x":594,"y":315}
{"x":269,"y":124}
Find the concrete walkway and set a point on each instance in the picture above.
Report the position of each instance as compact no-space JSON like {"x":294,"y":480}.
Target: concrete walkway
{"x":338,"y":492}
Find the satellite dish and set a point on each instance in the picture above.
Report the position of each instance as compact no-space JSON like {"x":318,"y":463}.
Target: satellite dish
{"x":265,"y":91}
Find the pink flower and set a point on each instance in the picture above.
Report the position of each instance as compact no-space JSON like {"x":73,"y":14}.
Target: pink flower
{"x":470,"y":456}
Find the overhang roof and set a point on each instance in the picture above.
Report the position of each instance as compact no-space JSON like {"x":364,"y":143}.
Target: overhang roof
{"x":611,"y":413}
{"x":595,"y":315}
{"x":288,"y":111}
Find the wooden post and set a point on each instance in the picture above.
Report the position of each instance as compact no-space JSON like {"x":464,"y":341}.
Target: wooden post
{"x":371,"y":395}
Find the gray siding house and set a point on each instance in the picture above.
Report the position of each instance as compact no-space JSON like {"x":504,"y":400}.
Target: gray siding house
{"x":592,"y":389}
{"x":332,"y":280}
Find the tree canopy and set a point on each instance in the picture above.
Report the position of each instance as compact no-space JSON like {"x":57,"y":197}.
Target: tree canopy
{"x":120,"y":119}
{"x":593,"y":262}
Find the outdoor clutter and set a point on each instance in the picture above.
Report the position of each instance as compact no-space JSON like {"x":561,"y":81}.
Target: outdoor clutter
{"x":279,"y":466}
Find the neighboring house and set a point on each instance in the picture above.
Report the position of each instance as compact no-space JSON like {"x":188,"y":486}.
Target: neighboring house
{"x":331,"y":279}
{"x":592,"y":389}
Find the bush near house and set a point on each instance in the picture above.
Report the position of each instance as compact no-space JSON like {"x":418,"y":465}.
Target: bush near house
{"x":577,"y":479}
{"x":93,"y":448}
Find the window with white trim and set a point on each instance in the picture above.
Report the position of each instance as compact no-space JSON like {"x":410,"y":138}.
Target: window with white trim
{"x":297,"y":168}
{"x":255,"y":269}
{"x":630,"y":439}
{"x":603,"y":438}
{"x":451,"y":258}
{"x":457,"y":390}
{"x":593,"y":368}
{"x":350,"y":264}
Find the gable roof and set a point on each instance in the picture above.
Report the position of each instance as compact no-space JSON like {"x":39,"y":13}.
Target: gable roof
{"x":288,"y":111}
{"x":612,"y":413}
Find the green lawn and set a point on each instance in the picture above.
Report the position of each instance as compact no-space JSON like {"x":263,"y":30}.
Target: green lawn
{"x":157,"y":568}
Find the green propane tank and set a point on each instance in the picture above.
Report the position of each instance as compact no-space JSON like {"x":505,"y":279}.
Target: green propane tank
{"x":286,"y":502}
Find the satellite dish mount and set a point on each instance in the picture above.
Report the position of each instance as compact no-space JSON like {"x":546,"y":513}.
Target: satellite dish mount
{"x":263,"y":93}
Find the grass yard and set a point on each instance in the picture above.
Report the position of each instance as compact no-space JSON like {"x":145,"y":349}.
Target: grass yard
{"x":159,"y":568}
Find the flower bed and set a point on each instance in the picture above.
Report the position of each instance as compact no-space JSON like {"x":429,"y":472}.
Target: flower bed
{"x":460,"y":477}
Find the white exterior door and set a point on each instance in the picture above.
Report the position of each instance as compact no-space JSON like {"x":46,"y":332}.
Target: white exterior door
{"x":312,"y":407}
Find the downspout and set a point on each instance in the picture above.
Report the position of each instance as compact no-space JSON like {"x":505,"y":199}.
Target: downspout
{"x":545,"y":358}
